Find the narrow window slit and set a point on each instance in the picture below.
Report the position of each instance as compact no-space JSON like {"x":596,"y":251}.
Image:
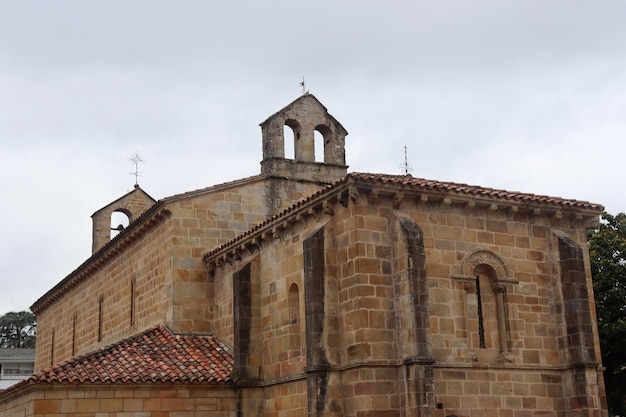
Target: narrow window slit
{"x":481,"y":325}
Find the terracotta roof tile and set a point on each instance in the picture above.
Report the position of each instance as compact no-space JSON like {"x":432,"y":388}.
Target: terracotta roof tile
{"x":460,"y":188}
{"x":157,"y":355}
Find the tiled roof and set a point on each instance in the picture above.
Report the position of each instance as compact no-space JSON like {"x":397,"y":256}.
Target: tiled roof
{"x":155,"y":356}
{"x":471,"y":190}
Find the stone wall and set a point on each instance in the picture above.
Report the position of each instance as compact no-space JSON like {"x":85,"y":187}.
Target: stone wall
{"x":118,"y":296}
{"x":393,"y":319}
{"x":201,"y":222}
{"x":500,"y":392}
{"x":116,"y":400}
{"x":154,"y":274}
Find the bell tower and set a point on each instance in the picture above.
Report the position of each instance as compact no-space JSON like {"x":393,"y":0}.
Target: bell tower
{"x":304,"y":116}
{"x":132,"y":205}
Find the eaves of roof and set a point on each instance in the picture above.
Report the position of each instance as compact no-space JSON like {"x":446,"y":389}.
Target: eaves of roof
{"x":426,"y":186}
{"x":372,"y":185}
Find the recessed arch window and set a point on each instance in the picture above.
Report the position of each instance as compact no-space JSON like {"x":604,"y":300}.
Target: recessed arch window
{"x":295,"y":342}
{"x":486,"y":278}
{"x":294,"y":304}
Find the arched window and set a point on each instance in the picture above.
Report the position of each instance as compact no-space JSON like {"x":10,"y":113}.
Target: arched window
{"x":295,"y":342}
{"x":322,"y":140}
{"x":319,"y":146}
{"x":294,"y":304}
{"x":486,"y":277}
{"x":119,"y":221}
{"x":291,"y":135}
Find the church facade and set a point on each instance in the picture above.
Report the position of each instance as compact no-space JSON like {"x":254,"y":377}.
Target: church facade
{"x":306,"y":290}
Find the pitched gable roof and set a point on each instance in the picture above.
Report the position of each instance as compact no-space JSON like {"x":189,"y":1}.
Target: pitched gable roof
{"x":137,"y":193}
{"x":154,"y":356}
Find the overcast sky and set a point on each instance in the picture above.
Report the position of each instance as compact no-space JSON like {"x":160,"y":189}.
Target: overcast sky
{"x":520,"y":95}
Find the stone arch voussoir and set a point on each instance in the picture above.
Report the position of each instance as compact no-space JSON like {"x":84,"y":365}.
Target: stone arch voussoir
{"x":485,"y":257}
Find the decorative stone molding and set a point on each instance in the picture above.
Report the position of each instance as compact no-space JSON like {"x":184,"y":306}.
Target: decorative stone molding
{"x":498,"y":282}
{"x":485,"y":257}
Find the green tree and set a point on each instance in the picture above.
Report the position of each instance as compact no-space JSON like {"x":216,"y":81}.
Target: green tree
{"x":18,"y":330}
{"x":607,"y":250}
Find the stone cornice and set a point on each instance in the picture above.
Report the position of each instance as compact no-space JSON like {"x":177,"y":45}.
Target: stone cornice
{"x":403,"y":192}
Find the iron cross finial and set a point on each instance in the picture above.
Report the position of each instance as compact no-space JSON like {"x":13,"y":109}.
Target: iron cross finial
{"x":136,"y":159}
{"x":303,"y":85}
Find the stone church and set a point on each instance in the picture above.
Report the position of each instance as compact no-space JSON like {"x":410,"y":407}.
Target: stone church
{"x":310,"y":291}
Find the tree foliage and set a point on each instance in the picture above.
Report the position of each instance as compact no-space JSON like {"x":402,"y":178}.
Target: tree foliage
{"x":607,"y":250}
{"x":18,"y":330}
